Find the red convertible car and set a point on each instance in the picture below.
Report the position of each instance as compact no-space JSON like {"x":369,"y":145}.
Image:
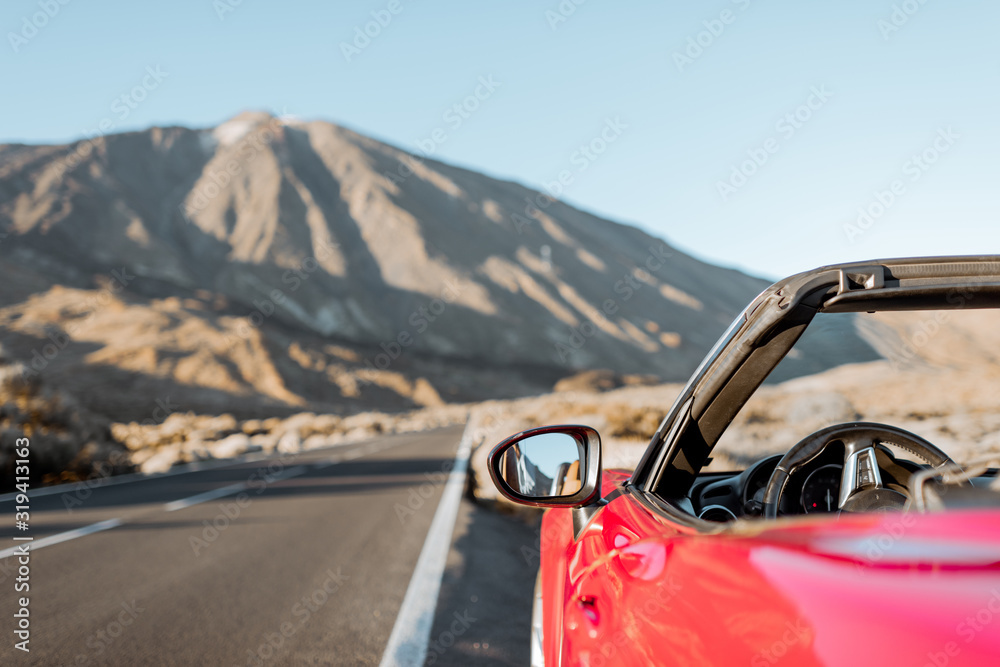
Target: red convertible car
{"x":862,"y":544}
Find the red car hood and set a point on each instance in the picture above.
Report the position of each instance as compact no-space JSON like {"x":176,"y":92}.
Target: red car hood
{"x":888,"y":589}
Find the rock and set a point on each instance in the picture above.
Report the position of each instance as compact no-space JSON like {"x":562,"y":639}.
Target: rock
{"x":267,"y":442}
{"x":161,"y":460}
{"x":289,"y":443}
{"x":321,"y":424}
{"x":317,"y":441}
{"x":253,"y":427}
{"x":230,"y":446}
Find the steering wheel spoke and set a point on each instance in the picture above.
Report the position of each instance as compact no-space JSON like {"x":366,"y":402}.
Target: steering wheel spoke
{"x":860,"y":469}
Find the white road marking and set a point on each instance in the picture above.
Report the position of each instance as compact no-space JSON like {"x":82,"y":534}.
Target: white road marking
{"x":411,"y":634}
{"x":185,"y":502}
{"x":101,"y":482}
{"x":197,"y":466}
{"x":224,"y":491}
{"x":58,"y":538}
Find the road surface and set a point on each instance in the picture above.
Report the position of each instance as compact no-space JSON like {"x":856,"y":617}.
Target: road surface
{"x":299,"y":560}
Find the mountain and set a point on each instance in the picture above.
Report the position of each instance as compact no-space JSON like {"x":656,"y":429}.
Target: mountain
{"x":270,"y":265}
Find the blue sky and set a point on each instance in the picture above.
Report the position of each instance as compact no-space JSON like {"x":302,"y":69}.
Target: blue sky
{"x":923,"y":82}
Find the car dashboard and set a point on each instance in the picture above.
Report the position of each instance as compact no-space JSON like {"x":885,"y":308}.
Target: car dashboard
{"x":813,"y":488}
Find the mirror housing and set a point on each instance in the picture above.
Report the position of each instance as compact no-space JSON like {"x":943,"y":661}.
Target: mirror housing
{"x":581,"y":473}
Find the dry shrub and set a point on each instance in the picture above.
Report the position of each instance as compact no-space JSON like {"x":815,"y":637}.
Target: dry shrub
{"x":68,"y":442}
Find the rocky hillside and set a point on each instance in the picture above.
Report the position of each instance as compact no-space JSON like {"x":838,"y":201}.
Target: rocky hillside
{"x":268,"y":266}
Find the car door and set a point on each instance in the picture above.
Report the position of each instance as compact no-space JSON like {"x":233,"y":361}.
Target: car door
{"x":641,"y":589}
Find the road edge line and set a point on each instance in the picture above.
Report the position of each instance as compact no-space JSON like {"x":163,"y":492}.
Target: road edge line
{"x":411,"y":633}
{"x":59,"y":538}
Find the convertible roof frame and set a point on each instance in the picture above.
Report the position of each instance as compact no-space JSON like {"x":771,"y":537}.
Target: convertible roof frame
{"x":764,"y":333}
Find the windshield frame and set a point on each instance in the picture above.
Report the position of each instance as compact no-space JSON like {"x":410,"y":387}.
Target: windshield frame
{"x":763,"y":335}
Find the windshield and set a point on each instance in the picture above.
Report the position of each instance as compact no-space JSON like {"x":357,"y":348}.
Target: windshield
{"x":934,"y":373}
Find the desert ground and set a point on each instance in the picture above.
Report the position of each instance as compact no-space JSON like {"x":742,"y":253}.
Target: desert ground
{"x":938,"y":378}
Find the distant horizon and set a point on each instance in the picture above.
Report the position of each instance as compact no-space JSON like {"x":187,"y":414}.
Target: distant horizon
{"x":611,"y":217}
{"x":765,"y":137}
{"x":577,"y":205}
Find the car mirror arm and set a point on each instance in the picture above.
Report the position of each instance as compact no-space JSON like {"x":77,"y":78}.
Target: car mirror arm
{"x":583,"y":515}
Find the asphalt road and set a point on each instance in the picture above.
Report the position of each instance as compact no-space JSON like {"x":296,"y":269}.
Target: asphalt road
{"x":301,"y":560}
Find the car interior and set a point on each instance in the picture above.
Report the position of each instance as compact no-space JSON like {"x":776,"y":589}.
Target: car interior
{"x":815,"y":487}
{"x":908,"y":422}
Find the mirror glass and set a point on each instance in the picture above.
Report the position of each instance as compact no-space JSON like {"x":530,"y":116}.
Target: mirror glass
{"x":547,"y":465}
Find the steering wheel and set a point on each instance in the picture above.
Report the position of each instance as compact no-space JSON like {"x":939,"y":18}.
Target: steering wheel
{"x":861,"y":486}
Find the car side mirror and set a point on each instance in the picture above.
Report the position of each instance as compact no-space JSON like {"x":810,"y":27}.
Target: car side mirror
{"x":550,"y":466}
